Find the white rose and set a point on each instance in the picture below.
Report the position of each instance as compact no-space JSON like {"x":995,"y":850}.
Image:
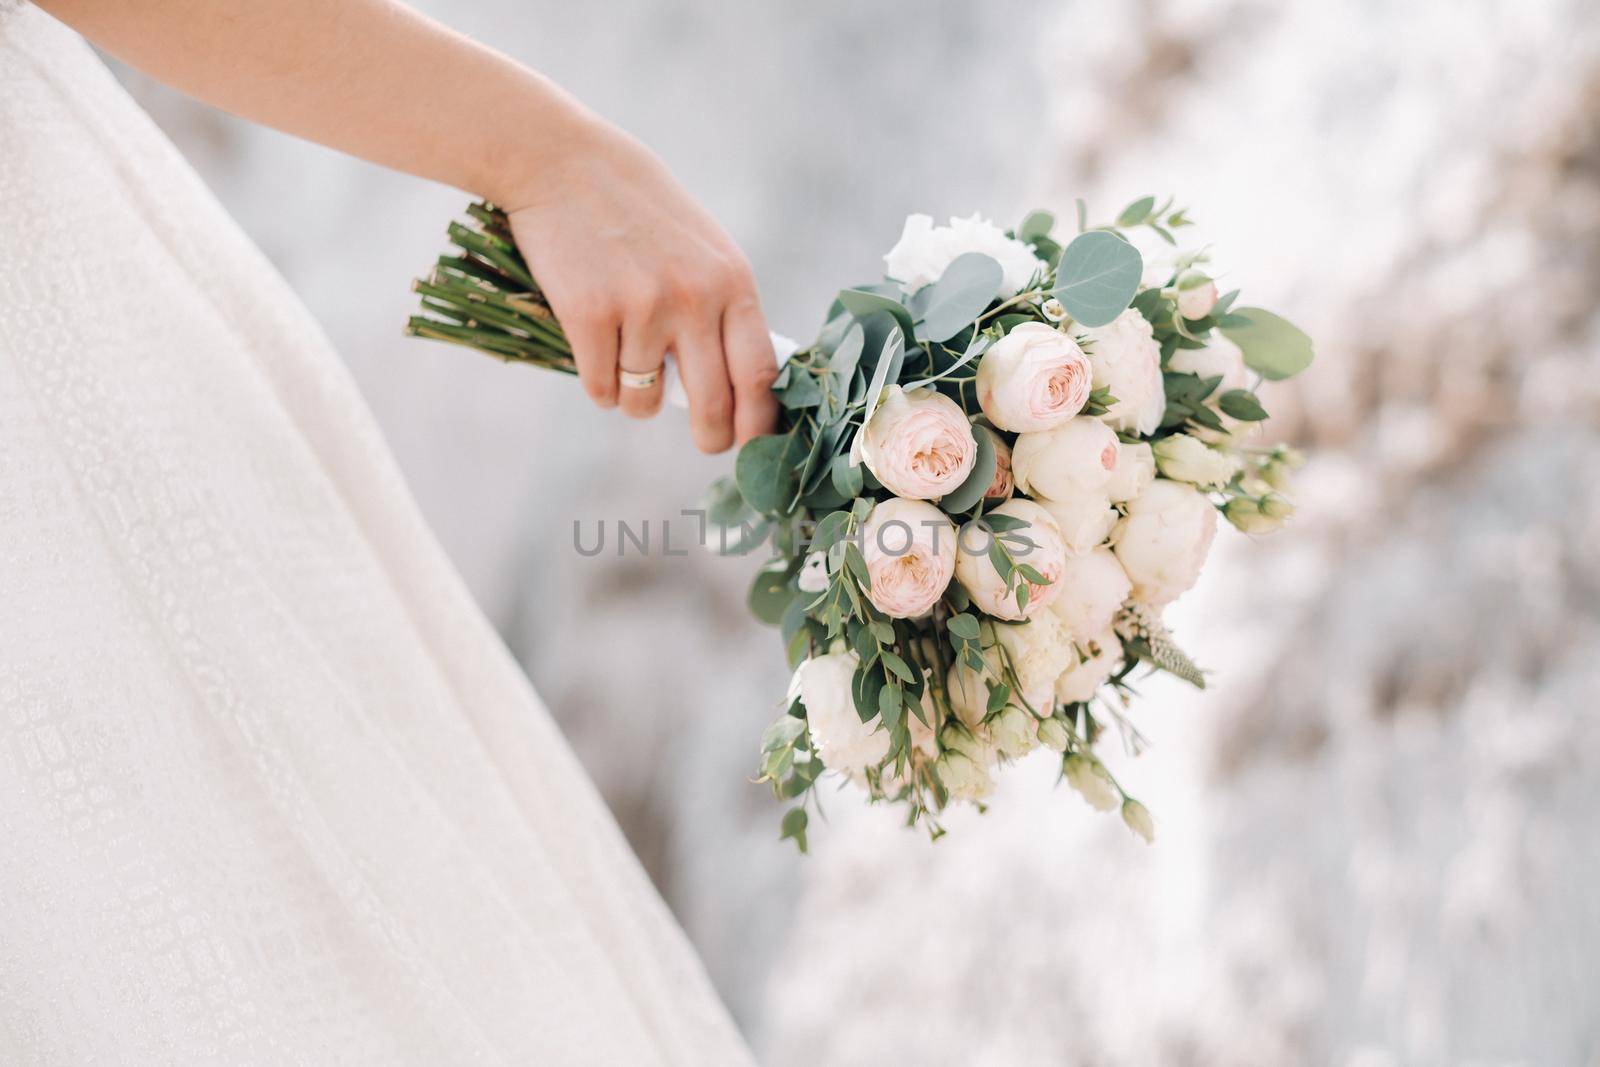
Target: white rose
{"x":977,"y":574}
{"x":1197,"y":295}
{"x":1093,"y":587}
{"x":1084,"y":521}
{"x":1188,"y":459}
{"x":843,"y":741}
{"x":1038,"y":651}
{"x":1127,"y":361}
{"x":925,"y":250}
{"x":1135,"y":469}
{"x":1079,"y":681}
{"x":1033,"y":378}
{"x":910,"y":551}
{"x":1073,"y":459}
{"x":919,"y":444}
{"x":813,"y":576}
{"x":1163,"y":540}
{"x":1091,"y":781}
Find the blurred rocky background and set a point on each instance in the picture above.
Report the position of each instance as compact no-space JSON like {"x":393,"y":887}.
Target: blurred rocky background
{"x":1375,"y":834}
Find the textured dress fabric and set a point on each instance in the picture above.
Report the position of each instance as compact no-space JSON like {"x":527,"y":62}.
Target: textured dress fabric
{"x":271,"y":788}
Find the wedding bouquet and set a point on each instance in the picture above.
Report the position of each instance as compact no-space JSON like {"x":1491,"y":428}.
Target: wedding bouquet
{"x":995,"y":469}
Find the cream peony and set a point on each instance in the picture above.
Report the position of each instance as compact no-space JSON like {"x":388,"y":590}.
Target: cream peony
{"x":919,"y":444}
{"x":977,"y":574}
{"x":925,"y":250}
{"x":1163,"y":540}
{"x":1093,"y":587}
{"x":1127,"y":361}
{"x":910,"y":550}
{"x":963,"y":765}
{"x":1188,"y":459}
{"x":1076,"y":458}
{"x":1136,"y":468}
{"x":1004,"y":484}
{"x":844,"y":742}
{"x":1079,"y":681}
{"x":1085,"y":521}
{"x":1033,"y":378}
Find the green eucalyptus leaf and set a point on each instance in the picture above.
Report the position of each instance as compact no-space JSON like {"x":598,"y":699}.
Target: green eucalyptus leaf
{"x":887,"y":371}
{"x":1136,"y":212}
{"x":999,"y":694}
{"x":765,"y":471}
{"x":1242,"y":404}
{"x":1098,"y":277}
{"x":864,"y":302}
{"x":782,"y":734}
{"x":968,"y":286}
{"x":770,"y":595}
{"x":1273,"y":346}
{"x":846,"y":476}
{"x":963,"y":626}
{"x":1036,"y":225}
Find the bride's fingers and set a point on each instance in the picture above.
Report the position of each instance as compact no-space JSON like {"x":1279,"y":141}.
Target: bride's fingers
{"x":705,"y":380}
{"x":593,"y":336}
{"x":752,"y":366}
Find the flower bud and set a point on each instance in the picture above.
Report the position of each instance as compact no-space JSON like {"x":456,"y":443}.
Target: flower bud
{"x":1188,"y":459}
{"x":1053,"y":733}
{"x":1197,"y":294}
{"x":1054,"y":310}
{"x":1091,"y":781}
{"x":1248,"y":515}
{"x":1137,"y":818}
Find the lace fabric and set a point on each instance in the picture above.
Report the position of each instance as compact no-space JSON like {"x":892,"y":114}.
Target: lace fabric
{"x":271,"y":789}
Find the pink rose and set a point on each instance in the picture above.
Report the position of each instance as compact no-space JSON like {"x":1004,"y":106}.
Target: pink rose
{"x":976,"y":572}
{"x":918,"y":444}
{"x":910,"y":549}
{"x":1033,"y":378}
{"x":1003,"y":484}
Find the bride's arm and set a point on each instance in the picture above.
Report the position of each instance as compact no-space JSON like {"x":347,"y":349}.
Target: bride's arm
{"x":632,"y":265}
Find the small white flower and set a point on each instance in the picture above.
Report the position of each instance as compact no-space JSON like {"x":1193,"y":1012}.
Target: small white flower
{"x":813,"y":576}
{"x":1014,"y":732}
{"x":1054,"y":310}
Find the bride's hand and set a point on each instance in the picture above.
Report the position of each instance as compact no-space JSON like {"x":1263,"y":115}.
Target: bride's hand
{"x":634,"y":268}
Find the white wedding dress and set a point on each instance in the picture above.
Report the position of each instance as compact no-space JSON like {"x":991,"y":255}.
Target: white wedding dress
{"x":271,"y":789}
